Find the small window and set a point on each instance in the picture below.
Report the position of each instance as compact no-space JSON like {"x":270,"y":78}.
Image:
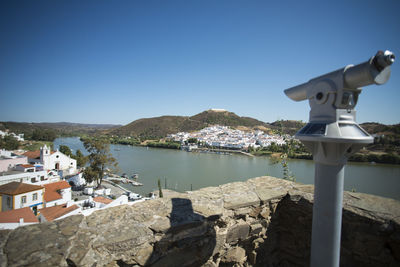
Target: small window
{"x":23,"y":199}
{"x":71,"y":163}
{"x":33,"y":180}
{"x":34,"y":196}
{"x":8,"y":201}
{"x":41,"y":178}
{"x":57,"y":156}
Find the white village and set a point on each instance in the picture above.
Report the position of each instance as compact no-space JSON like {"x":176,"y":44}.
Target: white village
{"x":36,"y":187}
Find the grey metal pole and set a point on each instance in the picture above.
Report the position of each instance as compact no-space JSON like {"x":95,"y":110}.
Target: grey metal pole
{"x":327,"y":215}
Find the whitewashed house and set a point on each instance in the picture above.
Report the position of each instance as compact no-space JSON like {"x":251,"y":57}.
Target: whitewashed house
{"x":77,"y":180}
{"x":57,"y":193}
{"x":17,"y":195}
{"x":8,"y":160}
{"x":12,"y":219}
{"x":58,"y":212}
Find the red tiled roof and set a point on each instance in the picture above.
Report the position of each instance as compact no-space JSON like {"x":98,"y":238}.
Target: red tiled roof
{"x":35,"y":154}
{"x":102,"y":200}
{"x":32,"y":154}
{"x":16,"y":188}
{"x":27,"y":165}
{"x":51,"y":193}
{"x":55,"y":212}
{"x":13,"y":216}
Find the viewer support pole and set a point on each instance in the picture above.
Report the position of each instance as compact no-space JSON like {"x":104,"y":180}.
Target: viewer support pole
{"x":327,"y":215}
{"x":332,"y":135}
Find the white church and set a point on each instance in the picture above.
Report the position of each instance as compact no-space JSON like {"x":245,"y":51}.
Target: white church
{"x":52,"y":160}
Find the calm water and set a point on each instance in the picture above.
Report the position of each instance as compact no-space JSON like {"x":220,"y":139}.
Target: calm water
{"x":181,"y":170}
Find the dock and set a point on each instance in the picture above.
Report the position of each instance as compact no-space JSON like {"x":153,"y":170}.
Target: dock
{"x":116,"y":178}
{"x":223,"y":151}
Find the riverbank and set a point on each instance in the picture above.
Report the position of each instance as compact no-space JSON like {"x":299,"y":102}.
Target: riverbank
{"x":220,"y":151}
{"x":365,"y":157}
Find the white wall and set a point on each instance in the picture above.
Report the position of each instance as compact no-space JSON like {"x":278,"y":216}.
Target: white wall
{"x":123,"y":199}
{"x":64,"y":162}
{"x":18,"y":199}
{"x":12,"y":225}
{"x":66,"y":196}
{"x":9,"y":163}
{"x":27,"y":176}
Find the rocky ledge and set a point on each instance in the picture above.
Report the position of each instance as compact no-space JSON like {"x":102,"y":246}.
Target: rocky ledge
{"x":264,"y":221}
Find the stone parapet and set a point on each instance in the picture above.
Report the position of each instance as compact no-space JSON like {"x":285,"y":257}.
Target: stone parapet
{"x":264,"y":221}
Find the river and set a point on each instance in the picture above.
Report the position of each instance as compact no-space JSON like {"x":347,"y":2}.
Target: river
{"x":181,"y":170}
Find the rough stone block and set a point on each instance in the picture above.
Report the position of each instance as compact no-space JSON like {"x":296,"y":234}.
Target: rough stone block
{"x":239,"y":194}
{"x":255,"y":229}
{"x":239,"y":231}
{"x":234,"y":255}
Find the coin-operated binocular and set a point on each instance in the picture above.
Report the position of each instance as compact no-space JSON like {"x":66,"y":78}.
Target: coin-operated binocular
{"x":332,"y":135}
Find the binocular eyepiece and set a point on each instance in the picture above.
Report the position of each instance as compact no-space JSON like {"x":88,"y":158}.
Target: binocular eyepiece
{"x":376,"y":70}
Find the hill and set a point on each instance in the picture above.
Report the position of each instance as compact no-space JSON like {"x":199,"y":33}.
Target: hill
{"x":387,"y":137}
{"x":59,"y":128}
{"x":162,"y":126}
{"x":287,"y":126}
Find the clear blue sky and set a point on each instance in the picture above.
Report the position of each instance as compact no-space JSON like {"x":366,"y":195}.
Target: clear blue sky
{"x":118,"y":61}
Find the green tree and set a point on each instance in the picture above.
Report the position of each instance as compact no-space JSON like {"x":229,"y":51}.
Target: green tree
{"x":192,"y":140}
{"x":8,"y":142}
{"x":43,"y":135}
{"x":65,"y":150}
{"x":81,"y":160}
{"x":99,"y":159}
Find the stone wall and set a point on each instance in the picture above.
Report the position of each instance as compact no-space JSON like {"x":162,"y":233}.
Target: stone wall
{"x":262,"y":222}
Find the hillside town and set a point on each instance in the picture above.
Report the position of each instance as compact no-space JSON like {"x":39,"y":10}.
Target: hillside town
{"x":36,"y":187}
{"x":227,"y":138}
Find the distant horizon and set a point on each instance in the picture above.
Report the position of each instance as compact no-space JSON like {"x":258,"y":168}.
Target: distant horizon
{"x":119,"y":124}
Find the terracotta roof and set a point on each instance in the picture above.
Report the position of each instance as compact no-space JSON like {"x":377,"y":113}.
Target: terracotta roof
{"x":51,"y":193}
{"x":27,"y":165}
{"x":16,"y":188}
{"x":102,"y":200}
{"x":13,"y":216}
{"x":55,"y":212}
{"x":32,"y":154}
{"x":35,"y":154}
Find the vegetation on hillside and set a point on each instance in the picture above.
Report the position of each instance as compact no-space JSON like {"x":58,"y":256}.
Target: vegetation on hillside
{"x":9,"y":143}
{"x":159,"y":127}
{"x":170,"y":145}
{"x":50,"y":131}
